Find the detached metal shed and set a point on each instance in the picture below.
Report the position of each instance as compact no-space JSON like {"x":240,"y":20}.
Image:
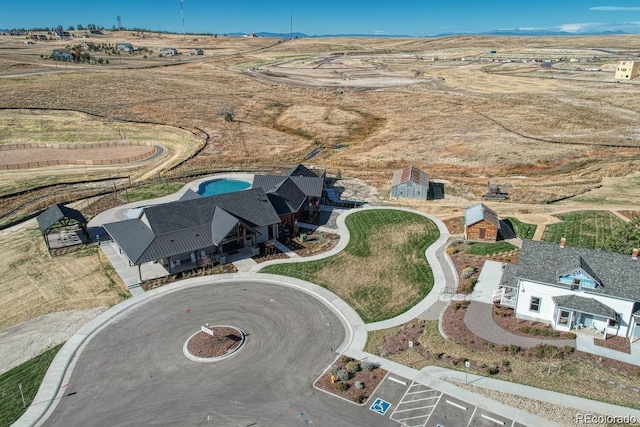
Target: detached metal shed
{"x":410,"y":183}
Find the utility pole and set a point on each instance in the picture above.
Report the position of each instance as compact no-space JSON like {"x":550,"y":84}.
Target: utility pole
{"x":291,"y":27}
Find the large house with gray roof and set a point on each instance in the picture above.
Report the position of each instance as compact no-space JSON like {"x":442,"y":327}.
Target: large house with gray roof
{"x":574,"y":288}
{"x":297,"y":191}
{"x":182,"y":235}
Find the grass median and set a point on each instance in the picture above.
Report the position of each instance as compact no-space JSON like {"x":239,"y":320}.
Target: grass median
{"x":29,"y":375}
{"x":383,"y":271}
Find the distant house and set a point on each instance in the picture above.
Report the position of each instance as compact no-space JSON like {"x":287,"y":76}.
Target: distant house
{"x":61,"y":55}
{"x":292,"y":194}
{"x":97,"y":32}
{"x":182,"y":235}
{"x":589,"y":291}
{"x":87,"y":45}
{"x":481,"y":223}
{"x":196,"y":51}
{"x":627,"y":70}
{"x":168,"y":51}
{"x":410,"y":183}
{"x":124,"y":47}
{"x":63,"y":35}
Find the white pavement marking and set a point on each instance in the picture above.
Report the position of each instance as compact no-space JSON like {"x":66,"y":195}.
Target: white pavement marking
{"x":398,"y":381}
{"x":493,"y":419}
{"x":406,"y":409}
{"x":464,"y":408}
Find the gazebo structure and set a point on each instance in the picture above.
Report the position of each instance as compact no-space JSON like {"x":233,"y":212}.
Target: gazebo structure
{"x":62,"y":226}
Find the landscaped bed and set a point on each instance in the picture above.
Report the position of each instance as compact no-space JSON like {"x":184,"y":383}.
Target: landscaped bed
{"x":224,"y":340}
{"x":546,"y":367}
{"x":383,"y":271}
{"x":505,"y":318}
{"x":351,"y":379}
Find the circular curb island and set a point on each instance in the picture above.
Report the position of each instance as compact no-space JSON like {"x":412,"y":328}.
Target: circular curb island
{"x":229,"y":354}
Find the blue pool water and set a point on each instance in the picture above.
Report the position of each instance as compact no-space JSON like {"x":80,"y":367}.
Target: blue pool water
{"x":222,"y":186}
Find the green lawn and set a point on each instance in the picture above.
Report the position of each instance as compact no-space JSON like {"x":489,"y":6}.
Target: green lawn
{"x":586,"y":229}
{"x":30,"y":375}
{"x":382,"y":272}
{"x":150,"y":191}
{"x":480,"y":248}
{"x":523,"y":230}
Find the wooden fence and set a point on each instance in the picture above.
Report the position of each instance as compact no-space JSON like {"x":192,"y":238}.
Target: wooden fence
{"x":84,"y":162}
{"x":87,"y":146}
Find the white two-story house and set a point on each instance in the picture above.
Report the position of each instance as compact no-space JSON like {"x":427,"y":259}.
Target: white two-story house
{"x":574,"y":288}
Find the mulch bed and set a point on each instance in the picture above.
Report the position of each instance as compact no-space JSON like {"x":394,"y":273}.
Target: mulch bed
{"x":223,"y":341}
{"x":369,"y":379}
{"x":104,"y":203}
{"x":454,"y":327}
{"x":614,"y":343}
{"x":455,"y":225}
{"x":161,"y":281}
{"x":629,"y":214}
{"x":505,"y":318}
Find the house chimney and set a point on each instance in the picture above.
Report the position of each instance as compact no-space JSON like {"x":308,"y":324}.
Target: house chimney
{"x":634,"y":254}
{"x":562,"y":242}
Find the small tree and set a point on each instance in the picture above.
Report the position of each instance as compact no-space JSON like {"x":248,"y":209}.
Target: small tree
{"x":342,"y":375}
{"x":228,"y":113}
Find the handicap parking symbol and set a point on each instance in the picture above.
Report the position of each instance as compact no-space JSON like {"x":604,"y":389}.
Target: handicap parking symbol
{"x":380,"y":406}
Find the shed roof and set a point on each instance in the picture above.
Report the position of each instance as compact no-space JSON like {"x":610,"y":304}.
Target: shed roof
{"x":55,"y":213}
{"x":585,"y":305}
{"x":412,"y":174}
{"x":478,"y":212}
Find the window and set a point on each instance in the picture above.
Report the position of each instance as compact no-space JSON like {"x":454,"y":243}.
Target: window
{"x":564,"y":317}
{"x":534,"y":304}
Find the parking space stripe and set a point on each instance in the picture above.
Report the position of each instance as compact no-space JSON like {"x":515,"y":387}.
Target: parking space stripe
{"x":457,"y":405}
{"x":493,"y":419}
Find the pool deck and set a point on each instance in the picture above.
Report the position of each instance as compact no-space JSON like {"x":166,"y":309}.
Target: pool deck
{"x":120,"y":213}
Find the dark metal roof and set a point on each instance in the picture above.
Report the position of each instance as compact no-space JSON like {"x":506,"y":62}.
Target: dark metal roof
{"x":310,"y":185}
{"x":301,"y":170}
{"x":286,"y":197}
{"x":189,"y":195}
{"x":410,"y":174}
{"x":189,"y":225}
{"x":585,"y":305}
{"x":545,"y":262}
{"x":55,"y":213}
{"x":221,"y":224}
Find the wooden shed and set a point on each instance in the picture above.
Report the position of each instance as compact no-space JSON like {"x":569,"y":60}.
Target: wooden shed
{"x":481,"y":223}
{"x":410,"y":183}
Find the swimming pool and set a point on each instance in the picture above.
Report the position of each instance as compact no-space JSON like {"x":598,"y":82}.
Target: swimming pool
{"x":222,"y":186}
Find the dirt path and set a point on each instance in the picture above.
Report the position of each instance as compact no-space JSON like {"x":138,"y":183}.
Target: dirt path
{"x":22,"y":342}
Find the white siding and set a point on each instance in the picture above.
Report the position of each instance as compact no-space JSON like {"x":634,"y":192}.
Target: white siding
{"x":530,"y":289}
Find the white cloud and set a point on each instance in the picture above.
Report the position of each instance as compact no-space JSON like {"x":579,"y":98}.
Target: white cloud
{"x":615,"y":8}
{"x":580,"y":27}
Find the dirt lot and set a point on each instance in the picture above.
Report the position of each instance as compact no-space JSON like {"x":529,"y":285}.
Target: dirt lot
{"x":32,"y":155}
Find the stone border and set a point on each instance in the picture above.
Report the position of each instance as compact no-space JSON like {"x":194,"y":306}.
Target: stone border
{"x":230,"y":354}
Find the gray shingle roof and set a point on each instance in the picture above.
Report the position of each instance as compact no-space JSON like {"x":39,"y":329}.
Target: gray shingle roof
{"x":509,"y":277}
{"x":55,"y":213}
{"x":190,"y":225}
{"x":618,"y":275}
{"x":585,"y":305}
{"x":310,"y":185}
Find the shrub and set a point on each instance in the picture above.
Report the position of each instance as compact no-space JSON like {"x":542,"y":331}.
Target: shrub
{"x":359,"y":385}
{"x":491,"y":370}
{"x":352,"y":367}
{"x":342,"y":386}
{"x":570,"y":335}
{"x":451,"y":250}
{"x":504,"y":348}
{"x":360,"y":397}
{"x":482,"y":365}
{"x":505,"y":362}
{"x":345,"y":359}
{"x":367,"y":366}
{"x":545,"y":351}
{"x":567,"y":350}
{"x":525,"y":329}
{"x":333,"y":370}
{"x":342,"y":375}
{"x":468,"y":272}
{"x":514,"y":349}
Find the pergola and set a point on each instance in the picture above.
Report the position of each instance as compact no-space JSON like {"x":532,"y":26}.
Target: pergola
{"x":67,"y":222}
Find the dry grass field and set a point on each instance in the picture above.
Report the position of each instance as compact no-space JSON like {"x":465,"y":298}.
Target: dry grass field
{"x":33,"y":283}
{"x":370,"y":105}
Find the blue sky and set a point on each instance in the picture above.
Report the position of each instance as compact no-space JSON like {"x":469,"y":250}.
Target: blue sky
{"x":414,"y":18}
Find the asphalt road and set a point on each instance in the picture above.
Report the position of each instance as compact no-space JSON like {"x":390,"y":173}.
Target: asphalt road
{"x":133,"y":372}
